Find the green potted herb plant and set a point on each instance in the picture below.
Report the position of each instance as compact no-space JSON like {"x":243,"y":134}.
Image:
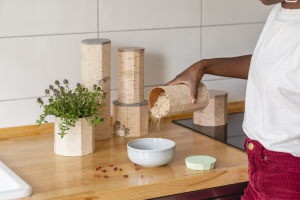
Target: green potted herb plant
{"x":76,"y":114}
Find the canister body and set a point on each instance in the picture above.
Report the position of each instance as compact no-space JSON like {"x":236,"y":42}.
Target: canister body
{"x":180,"y":98}
{"x":96,"y":69}
{"x":130,"y":120}
{"x":215,"y":114}
{"x":131,"y":75}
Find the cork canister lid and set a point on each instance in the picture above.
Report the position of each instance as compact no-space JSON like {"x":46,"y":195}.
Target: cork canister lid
{"x":130,"y":105}
{"x":96,"y":41}
{"x":131,"y":49}
{"x":200,"y":162}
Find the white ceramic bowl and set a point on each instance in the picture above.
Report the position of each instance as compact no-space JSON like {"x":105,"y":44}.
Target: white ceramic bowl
{"x":151,"y":152}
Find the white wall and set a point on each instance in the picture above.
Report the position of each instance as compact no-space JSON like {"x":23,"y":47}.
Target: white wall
{"x":40,"y":42}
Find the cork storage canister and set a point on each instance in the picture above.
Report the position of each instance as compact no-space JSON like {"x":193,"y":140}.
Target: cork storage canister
{"x":180,"y":98}
{"x":215,"y":114}
{"x":95,"y":69}
{"x":130,"y":120}
{"x":131,"y":75}
{"x":79,"y":140}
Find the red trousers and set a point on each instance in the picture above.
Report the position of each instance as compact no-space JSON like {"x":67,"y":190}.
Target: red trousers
{"x":272,"y":175}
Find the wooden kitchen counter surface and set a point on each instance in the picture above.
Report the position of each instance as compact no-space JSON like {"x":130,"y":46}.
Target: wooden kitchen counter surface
{"x":57,"y":177}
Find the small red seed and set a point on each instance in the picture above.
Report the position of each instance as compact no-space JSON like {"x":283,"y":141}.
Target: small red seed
{"x":137,"y":168}
{"x":110,"y":165}
{"x":142,"y":176}
{"x":97,"y":169}
{"x":125,"y":176}
{"x":105,"y":176}
{"x":96,"y":175}
{"x":120,"y":169}
{"x":134,"y":164}
{"x":115,"y":169}
{"x":103,"y":170}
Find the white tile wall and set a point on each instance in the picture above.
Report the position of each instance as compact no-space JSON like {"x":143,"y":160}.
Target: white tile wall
{"x":229,"y":41}
{"x":236,"y":88}
{"x":216,"y":12}
{"x":170,"y":30}
{"x":39,"y":17}
{"x":28,"y":65}
{"x":167,"y":52}
{"x":20,"y":113}
{"x":148,"y":14}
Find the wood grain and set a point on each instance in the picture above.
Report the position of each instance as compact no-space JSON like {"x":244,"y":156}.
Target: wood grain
{"x":232,"y":107}
{"x":57,"y":177}
{"x":236,"y":107}
{"x":26,"y":130}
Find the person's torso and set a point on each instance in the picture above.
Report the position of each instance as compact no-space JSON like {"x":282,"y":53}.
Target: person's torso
{"x":272,"y":114}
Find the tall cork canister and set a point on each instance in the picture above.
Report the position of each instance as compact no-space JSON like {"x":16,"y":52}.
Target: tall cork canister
{"x":215,"y":114}
{"x":180,"y":98}
{"x":95,"y":69}
{"x":131,"y":75}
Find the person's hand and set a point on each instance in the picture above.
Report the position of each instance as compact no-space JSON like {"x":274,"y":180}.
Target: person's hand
{"x":191,"y":76}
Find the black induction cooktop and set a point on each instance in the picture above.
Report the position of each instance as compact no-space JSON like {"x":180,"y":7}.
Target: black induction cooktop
{"x":231,"y":133}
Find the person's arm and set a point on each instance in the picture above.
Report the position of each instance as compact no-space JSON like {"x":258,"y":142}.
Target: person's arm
{"x":237,"y":67}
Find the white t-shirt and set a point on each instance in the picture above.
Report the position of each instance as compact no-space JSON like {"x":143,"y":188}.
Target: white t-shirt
{"x":272,"y":113}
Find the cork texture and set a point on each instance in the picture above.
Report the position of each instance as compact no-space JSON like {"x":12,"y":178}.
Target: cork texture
{"x":130,"y":121}
{"x":180,"y":98}
{"x":215,"y":114}
{"x":131,"y":77}
{"x":79,"y":140}
{"x":96,"y":69}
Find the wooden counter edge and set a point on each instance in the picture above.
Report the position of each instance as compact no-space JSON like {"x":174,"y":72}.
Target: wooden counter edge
{"x":232,"y":107}
{"x":166,"y":188}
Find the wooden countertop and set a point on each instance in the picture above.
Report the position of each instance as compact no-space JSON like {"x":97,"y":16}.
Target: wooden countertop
{"x":56,"y":177}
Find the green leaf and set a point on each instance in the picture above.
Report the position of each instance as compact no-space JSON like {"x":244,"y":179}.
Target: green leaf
{"x":73,"y":104}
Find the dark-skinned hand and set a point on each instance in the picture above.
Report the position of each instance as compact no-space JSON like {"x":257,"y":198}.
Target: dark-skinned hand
{"x":191,"y":76}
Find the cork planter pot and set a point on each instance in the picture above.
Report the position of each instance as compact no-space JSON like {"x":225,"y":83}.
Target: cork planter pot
{"x":79,"y":140}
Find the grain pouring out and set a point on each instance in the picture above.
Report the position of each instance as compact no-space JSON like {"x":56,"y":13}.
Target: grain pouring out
{"x":160,"y":109}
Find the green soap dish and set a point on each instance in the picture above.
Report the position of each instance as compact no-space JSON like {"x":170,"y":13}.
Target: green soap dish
{"x":200,"y":162}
